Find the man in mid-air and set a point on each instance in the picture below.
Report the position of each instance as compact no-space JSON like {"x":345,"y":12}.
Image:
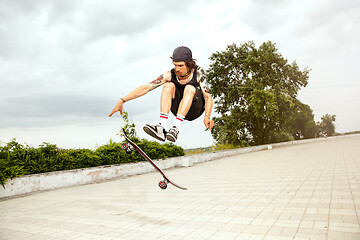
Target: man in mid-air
{"x":185,"y":93}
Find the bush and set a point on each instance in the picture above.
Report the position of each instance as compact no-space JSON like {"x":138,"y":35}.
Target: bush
{"x":277,"y":137}
{"x":17,"y":160}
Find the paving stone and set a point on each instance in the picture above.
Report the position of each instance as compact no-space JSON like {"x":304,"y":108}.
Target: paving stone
{"x":300,"y":192}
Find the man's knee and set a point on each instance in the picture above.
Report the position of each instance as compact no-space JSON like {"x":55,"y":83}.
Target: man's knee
{"x":169,"y":88}
{"x":189,"y":90}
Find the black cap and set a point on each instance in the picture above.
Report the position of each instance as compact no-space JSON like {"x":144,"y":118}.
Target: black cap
{"x":181,"y":54}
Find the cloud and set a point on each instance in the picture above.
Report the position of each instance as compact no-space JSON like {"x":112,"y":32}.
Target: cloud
{"x":333,"y":19}
{"x":53,"y":105}
{"x":265,"y":16}
{"x":75,"y":45}
{"x":72,"y":25}
{"x":49,"y":109}
{"x":67,"y":62}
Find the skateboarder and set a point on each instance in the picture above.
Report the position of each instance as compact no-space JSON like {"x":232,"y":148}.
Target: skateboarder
{"x":185,"y":93}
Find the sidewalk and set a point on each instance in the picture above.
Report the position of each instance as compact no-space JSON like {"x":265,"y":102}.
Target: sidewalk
{"x":308,"y":191}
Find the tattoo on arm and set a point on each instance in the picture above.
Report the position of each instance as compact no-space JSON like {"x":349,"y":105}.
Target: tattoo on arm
{"x":157,"y":82}
{"x":203,"y":80}
{"x":206,"y":86}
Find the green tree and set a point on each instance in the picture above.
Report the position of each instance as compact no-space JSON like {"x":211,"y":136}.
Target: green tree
{"x":255,"y":92}
{"x":327,"y":127}
{"x":304,"y":126}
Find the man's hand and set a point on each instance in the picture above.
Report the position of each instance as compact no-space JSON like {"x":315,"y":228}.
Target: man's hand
{"x":118,"y":108}
{"x":208,"y":122}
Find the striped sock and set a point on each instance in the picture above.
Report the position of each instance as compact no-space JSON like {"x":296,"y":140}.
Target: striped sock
{"x":179,"y":119}
{"x":163,"y":119}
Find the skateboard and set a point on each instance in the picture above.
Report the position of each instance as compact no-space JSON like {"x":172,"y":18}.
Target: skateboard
{"x":130,"y":146}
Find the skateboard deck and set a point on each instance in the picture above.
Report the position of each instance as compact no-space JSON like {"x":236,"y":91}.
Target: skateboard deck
{"x":128,"y":149}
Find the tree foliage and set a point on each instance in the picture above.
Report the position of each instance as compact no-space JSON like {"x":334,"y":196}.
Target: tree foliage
{"x":327,"y":127}
{"x":304,"y":126}
{"x":129,"y":126}
{"x":255,"y":92}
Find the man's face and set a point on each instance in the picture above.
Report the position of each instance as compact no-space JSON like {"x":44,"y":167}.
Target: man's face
{"x":180,"y":68}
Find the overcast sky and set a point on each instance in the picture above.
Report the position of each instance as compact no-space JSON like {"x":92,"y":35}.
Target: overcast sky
{"x":64,"y":64}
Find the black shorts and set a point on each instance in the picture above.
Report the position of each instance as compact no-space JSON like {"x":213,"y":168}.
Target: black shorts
{"x":197,"y":107}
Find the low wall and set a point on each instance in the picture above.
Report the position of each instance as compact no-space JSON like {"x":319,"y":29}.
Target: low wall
{"x":53,"y":180}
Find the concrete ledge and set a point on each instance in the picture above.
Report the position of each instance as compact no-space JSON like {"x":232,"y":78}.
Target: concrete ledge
{"x":53,"y":180}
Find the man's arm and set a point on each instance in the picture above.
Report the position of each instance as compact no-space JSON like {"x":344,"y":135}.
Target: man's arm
{"x":209,"y":123}
{"x":140,"y":91}
{"x":201,"y":77}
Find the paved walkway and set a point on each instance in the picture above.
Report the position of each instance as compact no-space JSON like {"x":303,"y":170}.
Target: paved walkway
{"x":309,"y":191}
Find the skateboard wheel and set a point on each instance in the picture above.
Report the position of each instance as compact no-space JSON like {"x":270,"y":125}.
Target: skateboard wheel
{"x":124,"y":146}
{"x":128,"y":150}
{"x":162,"y":185}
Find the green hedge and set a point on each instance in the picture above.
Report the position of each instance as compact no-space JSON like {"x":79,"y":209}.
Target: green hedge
{"x":17,"y":159}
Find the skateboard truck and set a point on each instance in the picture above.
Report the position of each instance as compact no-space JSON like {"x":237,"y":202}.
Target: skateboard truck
{"x":127,"y":148}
